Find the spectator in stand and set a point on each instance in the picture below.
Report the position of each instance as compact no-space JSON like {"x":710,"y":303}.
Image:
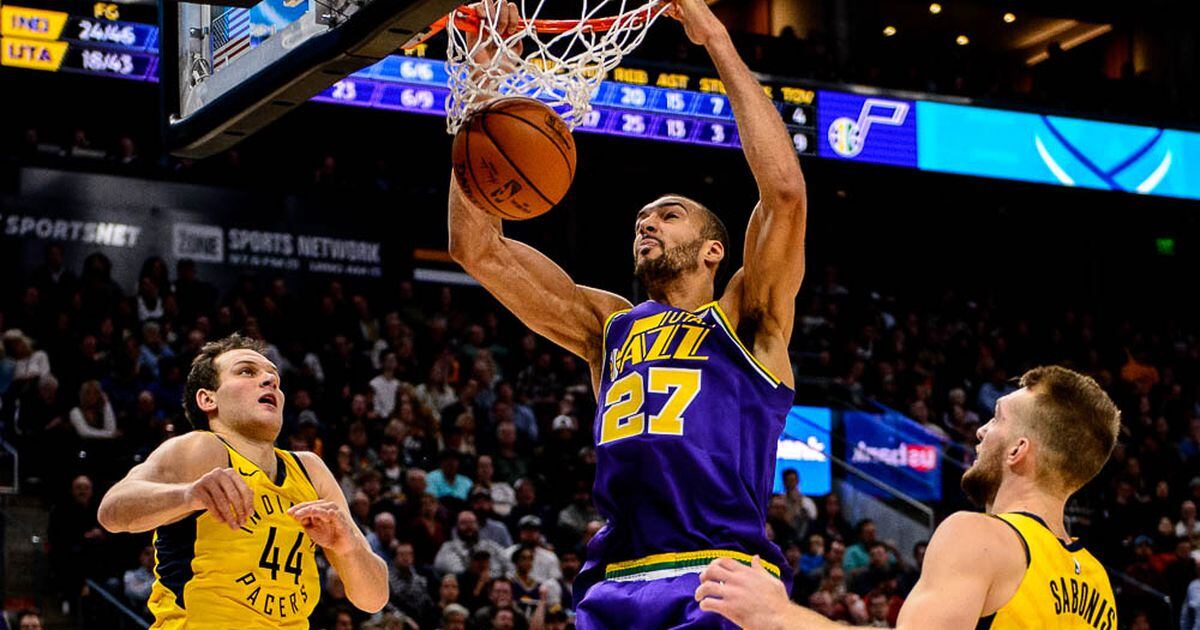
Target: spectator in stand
{"x":446,"y":480}
{"x":503,"y":495}
{"x":526,"y":589}
{"x":857,"y":555}
{"x":154,"y":349}
{"x":1188,"y":524}
{"x":879,"y":570}
{"x":382,"y":537}
{"x":499,"y":599}
{"x":521,"y":415}
{"x":138,"y":581}
{"x":454,"y":617}
{"x":801,"y":510}
{"x":573,"y":519}
{"x":28,"y":620}
{"x":385,"y":385}
{"x":489,"y":526}
{"x":832,"y":522}
{"x":455,"y":554}
{"x":877,"y":609}
{"x":545,"y":563}
{"x":28,"y":364}
{"x":77,"y":542}
{"x":510,"y":463}
{"x":427,"y":529}
{"x":94,"y":418}
{"x":409,"y":589}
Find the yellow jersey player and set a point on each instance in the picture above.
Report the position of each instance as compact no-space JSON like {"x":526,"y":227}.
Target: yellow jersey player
{"x":237,"y":521}
{"x":1013,"y":567}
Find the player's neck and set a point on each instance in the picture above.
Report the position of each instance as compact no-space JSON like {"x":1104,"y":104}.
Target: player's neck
{"x":687,"y":293}
{"x":260,"y":452}
{"x":1024,"y":496}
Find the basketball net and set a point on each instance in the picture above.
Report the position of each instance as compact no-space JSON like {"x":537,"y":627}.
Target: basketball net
{"x":560,"y":62}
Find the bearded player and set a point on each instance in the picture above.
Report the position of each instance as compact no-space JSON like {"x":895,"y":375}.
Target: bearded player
{"x":1014,"y":566}
{"x":236,"y":521}
{"x":692,"y":389}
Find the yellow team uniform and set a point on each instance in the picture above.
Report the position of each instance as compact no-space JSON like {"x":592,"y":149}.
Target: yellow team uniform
{"x":262,"y":575}
{"x":1064,"y":586}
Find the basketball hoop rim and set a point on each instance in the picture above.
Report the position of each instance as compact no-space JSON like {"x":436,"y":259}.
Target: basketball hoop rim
{"x":467,"y":19}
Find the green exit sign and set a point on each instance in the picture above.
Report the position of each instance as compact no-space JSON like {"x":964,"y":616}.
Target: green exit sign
{"x":1165,"y":246}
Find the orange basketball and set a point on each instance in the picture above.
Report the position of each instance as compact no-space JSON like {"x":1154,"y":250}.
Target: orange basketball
{"x":514,"y":158}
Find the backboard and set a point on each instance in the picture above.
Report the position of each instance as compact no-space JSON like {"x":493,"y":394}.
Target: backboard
{"x":227,"y":71}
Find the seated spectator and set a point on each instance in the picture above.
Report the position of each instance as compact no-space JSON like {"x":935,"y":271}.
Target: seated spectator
{"x":1188,"y":524}
{"x":500,"y":606}
{"x":879,"y":569}
{"x":27,"y":620}
{"x":77,"y":542}
{"x":503,"y":495}
{"x":455,"y":553}
{"x":574,"y":518}
{"x":489,"y":526}
{"x":385,"y":385}
{"x":561,"y":591}
{"x":446,"y":480}
{"x":510,"y":463}
{"x":801,"y":510}
{"x":138,"y":581}
{"x":545,"y":562}
{"x":409,"y":589}
{"x":382,"y":537}
{"x":427,"y":529}
{"x":857,"y":556}
{"x":153,"y":349}
{"x":28,"y":364}
{"x":526,"y":589}
{"x":454,"y":617}
{"x":93,"y":418}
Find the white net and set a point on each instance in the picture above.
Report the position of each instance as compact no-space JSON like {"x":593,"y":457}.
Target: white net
{"x":561,"y":62}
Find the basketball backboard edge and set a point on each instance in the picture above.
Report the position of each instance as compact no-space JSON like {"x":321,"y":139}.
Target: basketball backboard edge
{"x":375,"y":31}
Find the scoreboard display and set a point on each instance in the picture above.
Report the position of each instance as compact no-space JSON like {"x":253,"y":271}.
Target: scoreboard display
{"x":99,"y":43}
{"x":635,"y":102}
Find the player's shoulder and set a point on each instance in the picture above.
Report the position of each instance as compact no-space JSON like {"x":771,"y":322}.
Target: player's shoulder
{"x":979,"y":540}
{"x":184,"y":457}
{"x":318,"y":472}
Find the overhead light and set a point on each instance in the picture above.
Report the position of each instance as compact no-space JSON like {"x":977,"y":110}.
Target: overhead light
{"x":962,"y":40}
{"x":889,"y":30}
{"x":935,"y":8}
{"x":1010,"y":17}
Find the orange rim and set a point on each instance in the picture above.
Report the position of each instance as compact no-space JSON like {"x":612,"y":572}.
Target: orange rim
{"x":466,"y":19}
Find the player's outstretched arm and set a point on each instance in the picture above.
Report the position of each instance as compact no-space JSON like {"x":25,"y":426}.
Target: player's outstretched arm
{"x":183,"y":475}
{"x":528,"y":283}
{"x":774,"y":248}
{"x":966,"y":557}
{"x":328,"y":523}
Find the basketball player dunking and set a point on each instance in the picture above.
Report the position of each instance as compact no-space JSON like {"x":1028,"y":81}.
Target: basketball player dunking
{"x":236,"y":520}
{"x":1013,"y":567}
{"x":692,"y":391}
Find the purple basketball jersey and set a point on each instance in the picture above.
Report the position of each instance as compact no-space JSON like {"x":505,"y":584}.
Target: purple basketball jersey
{"x":686,"y":430}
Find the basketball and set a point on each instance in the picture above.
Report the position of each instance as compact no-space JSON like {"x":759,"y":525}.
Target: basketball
{"x":514,"y":158}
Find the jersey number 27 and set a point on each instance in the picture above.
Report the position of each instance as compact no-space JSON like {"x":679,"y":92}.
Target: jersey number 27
{"x":623,"y":415}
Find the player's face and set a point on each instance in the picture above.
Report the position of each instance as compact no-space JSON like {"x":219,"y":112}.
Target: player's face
{"x":982,"y":480}
{"x":666,"y":239}
{"x":248,"y":395}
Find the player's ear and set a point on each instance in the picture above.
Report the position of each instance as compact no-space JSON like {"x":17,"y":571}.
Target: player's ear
{"x":206,"y":400}
{"x":715,"y":252}
{"x":1018,"y":451}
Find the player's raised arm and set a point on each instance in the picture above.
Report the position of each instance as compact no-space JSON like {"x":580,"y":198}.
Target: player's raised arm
{"x":183,"y":475}
{"x":774,"y":250}
{"x":528,"y":283}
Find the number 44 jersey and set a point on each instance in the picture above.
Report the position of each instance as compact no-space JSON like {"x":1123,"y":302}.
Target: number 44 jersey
{"x":262,"y":575}
{"x":686,"y":430}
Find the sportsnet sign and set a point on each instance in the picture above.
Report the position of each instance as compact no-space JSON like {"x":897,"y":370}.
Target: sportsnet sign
{"x":896,"y":451}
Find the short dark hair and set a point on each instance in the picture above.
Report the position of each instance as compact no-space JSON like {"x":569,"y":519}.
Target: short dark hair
{"x":204,"y":375}
{"x":862,"y":525}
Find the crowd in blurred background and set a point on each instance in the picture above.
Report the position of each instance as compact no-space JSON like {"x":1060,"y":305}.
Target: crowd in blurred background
{"x":462,"y":441}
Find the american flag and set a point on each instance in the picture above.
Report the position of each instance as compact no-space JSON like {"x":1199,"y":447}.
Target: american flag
{"x":230,"y":35}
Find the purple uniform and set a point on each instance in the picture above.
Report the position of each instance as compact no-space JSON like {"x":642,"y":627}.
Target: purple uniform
{"x":686,"y":431}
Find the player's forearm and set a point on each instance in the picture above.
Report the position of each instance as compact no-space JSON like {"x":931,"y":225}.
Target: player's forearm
{"x":140,"y":506}
{"x":364,"y":575}
{"x":765,"y":140}
{"x":472,"y":231}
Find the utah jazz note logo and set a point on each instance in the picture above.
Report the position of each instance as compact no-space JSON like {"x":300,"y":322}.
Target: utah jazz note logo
{"x":666,"y":335}
{"x":848,"y":137}
{"x":1122,"y":157}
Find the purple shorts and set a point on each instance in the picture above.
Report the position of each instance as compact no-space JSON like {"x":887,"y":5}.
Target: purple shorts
{"x":646,"y":605}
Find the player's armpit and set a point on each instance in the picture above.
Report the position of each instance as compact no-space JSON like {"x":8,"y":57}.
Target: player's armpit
{"x":528,"y":283}
{"x":971,"y":561}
